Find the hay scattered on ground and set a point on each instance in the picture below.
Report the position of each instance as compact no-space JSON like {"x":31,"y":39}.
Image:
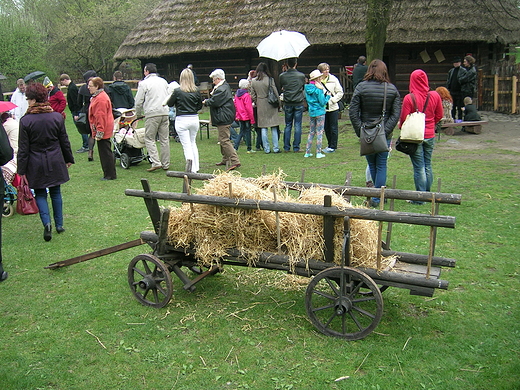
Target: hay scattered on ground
{"x":212,"y":230}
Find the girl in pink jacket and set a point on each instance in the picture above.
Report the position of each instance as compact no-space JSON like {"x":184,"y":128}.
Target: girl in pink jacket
{"x":244,"y":114}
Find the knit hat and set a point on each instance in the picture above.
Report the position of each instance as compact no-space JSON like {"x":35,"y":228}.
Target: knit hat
{"x":315,"y":74}
{"x":47,"y":82}
{"x":456,"y":59}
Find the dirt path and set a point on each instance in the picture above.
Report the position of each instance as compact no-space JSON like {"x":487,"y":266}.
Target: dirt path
{"x":502,"y":131}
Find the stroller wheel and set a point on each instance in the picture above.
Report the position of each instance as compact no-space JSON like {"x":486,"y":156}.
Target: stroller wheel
{"x":125,"y":160}
{"x":8,"y":209}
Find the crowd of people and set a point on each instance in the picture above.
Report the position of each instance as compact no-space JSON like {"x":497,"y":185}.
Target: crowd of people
{"x":38,"y":146}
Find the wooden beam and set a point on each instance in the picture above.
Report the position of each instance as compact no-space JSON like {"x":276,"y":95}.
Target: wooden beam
{"x":301,"y":208}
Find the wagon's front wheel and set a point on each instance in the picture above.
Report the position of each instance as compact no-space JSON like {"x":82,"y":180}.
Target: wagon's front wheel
{"x":338,"y":305}
{"x":150,"y":280}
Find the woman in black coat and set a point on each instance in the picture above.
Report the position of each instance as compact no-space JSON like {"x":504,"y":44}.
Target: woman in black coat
{"x":44,"y":155}
{"x":367,"y":106}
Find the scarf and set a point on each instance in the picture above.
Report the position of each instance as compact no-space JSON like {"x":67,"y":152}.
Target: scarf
{"x":40,"y":108}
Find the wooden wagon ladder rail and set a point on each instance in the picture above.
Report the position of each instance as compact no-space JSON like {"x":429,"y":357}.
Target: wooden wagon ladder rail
{"x":299,"y":208}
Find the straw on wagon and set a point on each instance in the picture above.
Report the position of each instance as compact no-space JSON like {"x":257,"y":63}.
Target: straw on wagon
{"x":212,"y":230}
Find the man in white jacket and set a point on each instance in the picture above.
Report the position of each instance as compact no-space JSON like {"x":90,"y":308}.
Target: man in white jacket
{"x":18,"y":98}
{"x":151,"y":94}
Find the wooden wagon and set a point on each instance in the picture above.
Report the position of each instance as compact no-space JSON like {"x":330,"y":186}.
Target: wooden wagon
{"x":341,"y":300}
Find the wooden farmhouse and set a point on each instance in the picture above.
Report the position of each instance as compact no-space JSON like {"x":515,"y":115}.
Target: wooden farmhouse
{"x":423,"y":34}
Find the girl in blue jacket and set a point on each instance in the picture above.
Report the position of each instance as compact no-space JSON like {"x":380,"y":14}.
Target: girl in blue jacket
{"x":317,"y":100}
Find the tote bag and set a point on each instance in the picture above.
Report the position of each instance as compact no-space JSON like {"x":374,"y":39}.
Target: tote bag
{"x":26,"y":204}
{"x":413,"y":127}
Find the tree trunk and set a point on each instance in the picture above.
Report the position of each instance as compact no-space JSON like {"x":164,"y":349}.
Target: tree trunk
{"x":378,"y":15}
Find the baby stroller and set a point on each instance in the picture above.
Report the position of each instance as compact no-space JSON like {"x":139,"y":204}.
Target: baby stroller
{"x":128,"y":141}
{"x":9,"y":199}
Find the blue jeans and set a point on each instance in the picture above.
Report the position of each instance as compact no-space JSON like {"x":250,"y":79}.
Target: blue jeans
{"x":422,"y":165}
{"x":293,"y":113}
{"x":331,"y":128}
{"x":57,"y":205}
{"x":245,"y":132}
{"x":377,"y":164}
{"x":274,"y":137}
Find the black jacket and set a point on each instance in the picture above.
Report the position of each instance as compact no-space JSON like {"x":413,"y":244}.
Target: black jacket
{"x":120,"y":95}
{"x":367,"y":105}
{"x":293,"y":83}
{"x":468,"y":81}
{"x":186,"y":103}
{"x":72,"y":98}
{"x":471,"y":113}
{"x":221,"y":106}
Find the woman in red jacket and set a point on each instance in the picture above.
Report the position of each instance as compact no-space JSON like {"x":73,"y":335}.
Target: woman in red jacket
{"x":102,"y":126}
{"x":422,"y":158}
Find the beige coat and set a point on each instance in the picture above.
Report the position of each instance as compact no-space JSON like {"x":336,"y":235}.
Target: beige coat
{"x":267,"y":115}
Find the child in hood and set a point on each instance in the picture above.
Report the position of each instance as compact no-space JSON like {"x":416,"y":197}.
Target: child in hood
{"x":244,"y":114}
{"x":317,"y":101}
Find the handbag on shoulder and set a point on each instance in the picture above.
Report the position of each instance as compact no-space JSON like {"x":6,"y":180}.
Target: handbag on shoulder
{"x":372,"y":135}
{"x":414,"y":125}
{"x":272,"y":99}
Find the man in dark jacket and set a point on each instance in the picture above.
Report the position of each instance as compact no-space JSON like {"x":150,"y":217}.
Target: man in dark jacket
{"x":360,"y":69}
{"x":120,"y":93}
{"x":84,"y":103}
{"x":222,"y":111}
{"x":292,"y":83}
{"x":74,"y":107}
{"x":453,"y":85}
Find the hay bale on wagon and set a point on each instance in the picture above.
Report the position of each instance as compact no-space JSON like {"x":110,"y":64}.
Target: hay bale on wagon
{"x":212,"y":230}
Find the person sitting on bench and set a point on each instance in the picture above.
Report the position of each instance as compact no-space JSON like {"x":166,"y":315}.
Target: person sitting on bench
{"x":470,"y":111}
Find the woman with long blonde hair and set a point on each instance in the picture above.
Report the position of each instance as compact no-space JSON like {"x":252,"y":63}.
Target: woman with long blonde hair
{"x":188,"y":102}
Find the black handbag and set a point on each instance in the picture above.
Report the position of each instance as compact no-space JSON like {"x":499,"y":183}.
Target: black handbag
{"x":272,"y":98}
{"x":372,"y":135}
{"x":406,"y":147}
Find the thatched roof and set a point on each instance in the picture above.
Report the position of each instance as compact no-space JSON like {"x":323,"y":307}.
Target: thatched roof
{"x":183,"y":26}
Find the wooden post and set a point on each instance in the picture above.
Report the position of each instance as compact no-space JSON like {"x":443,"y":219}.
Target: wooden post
{"x":348,"y":180}
{"x":328,"y":231}
{"x":278,"y":236}
{"x":386,"y":244}
{"x":495,"y":93}
{"x":514,"y":97}
{"x":380,"y":229}
{"x":432,"y":241}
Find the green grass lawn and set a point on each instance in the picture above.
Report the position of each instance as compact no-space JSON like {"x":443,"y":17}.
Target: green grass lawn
{"x":80,"y":327}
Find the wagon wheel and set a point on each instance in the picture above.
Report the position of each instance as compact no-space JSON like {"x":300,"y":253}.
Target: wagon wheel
{"x":344,"y":302}
{"x":7,"y":210}
{"x":125,"y":160}
{"x":150,"y":280}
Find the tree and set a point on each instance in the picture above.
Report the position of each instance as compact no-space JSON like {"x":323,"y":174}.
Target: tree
{"x":378,"y":17}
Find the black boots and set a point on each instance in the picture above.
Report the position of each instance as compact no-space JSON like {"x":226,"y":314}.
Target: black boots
{"x":3,"y":274}
{"x":47,"y":232}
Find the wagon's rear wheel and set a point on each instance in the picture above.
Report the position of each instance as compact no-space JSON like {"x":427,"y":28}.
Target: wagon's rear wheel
{"x":150,"y":280}
{"x":344,"y":302}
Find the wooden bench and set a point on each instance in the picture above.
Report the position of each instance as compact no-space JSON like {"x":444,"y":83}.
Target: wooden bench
{"x":470,"y":127}
{"x":204,"y":124}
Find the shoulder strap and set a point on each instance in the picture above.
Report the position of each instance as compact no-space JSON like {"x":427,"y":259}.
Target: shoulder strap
{"x":414,"y":102}
{"x":426,"y":102}
{"x":384,"y":99}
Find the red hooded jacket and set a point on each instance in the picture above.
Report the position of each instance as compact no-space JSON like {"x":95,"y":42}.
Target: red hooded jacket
{"x":420,"y":87}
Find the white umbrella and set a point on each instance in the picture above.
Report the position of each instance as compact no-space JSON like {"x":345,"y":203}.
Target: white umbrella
{"x":283,"y":44}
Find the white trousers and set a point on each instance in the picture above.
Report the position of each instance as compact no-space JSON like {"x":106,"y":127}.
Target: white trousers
{"x":187,"y":127}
